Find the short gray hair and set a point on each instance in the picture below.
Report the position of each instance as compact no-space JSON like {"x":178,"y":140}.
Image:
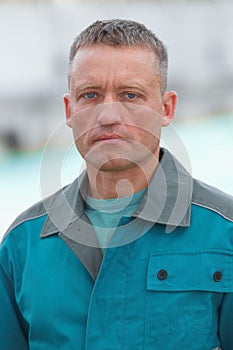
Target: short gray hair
{"x":121,"y":32}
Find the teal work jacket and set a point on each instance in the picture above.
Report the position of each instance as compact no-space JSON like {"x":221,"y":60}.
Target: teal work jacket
{"x":165,"y":282}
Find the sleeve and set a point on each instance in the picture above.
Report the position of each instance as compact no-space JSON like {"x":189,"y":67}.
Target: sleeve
{"x":12,"y":326}
{"x":226,"y":322}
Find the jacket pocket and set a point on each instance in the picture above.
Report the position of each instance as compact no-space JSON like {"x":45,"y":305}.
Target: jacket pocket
{"x":184,"y":295}
{"x":205,"y":270}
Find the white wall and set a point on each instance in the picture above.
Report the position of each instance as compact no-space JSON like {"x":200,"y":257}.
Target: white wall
{"x":35,"y":40}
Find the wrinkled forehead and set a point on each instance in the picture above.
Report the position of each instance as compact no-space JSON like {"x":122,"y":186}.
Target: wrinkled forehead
{"x":95,"y":56}
{"x":120,"y":66}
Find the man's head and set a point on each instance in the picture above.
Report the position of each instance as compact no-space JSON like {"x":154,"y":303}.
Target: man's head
{"x":118,"y":103}
{"x":123,"y":33}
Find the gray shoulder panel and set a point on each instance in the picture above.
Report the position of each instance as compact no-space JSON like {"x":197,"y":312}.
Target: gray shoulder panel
{"x":35,"y":211}
{"x":213,"y":199}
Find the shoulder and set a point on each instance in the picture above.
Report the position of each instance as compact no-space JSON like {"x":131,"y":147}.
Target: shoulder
{"x":59,"y":206}
{"x":36,"y":211}
{"x":213,"y":199}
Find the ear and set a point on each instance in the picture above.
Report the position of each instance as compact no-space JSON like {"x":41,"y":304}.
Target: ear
{"x":169,"y":106}
{"x":66,"y":99}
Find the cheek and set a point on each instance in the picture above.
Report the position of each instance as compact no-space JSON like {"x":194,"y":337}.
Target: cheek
{"x":83,"y":121}
{"x":79,"y":127}
{"x":81,"y":145}
{"x":80,"y":136}
{"x":146,"y":121}
{"x":146,"y":133}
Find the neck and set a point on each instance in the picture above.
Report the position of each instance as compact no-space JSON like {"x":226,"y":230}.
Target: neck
{"x":114,"y":184}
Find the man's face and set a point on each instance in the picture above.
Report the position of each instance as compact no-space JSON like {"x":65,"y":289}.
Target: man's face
{"x":115,"y":106}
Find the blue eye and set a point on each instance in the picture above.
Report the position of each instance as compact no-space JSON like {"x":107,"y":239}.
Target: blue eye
{"x":90,"y":95}
{"x":131,"y":96}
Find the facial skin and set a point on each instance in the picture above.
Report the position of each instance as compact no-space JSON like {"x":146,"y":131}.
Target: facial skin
{"x":116,"y":110}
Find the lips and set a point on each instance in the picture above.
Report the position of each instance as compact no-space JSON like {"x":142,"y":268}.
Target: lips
{"x":104,"y":137}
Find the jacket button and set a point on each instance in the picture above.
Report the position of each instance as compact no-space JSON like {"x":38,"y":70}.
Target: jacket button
{"x":217,"y":276}
{"x":162,"y":275}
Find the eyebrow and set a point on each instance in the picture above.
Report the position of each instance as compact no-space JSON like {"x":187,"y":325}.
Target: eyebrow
{"x":131,"y":85}
{"x":87,"y":86}
{"x":122,"y":86}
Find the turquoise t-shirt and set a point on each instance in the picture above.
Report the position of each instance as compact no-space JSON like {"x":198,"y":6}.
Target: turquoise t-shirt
{"x":105,"y":214}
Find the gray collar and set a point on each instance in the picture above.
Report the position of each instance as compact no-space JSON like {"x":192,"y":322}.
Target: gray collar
{"x":169,"y":196}
{"x":167,"y":202}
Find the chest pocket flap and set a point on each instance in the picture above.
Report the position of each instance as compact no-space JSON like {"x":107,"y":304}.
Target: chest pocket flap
{"x":204,"y":270}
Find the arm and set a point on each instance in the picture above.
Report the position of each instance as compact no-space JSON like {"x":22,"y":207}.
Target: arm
{"x":226,"y":322}
{"x":12,"y":325}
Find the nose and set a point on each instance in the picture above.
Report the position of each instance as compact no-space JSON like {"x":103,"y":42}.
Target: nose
{"x":109,"y":113}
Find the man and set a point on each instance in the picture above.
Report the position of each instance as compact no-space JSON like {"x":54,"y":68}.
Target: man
{"x":135,"y":254}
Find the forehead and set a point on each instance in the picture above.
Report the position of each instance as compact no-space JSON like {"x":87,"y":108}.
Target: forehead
{"x":104,"y":57}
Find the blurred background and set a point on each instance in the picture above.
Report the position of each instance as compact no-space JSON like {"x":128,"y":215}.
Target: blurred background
{"x":36,"y":152}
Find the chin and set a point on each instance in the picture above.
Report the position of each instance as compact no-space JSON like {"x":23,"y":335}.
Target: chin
{"x":111,"y":165}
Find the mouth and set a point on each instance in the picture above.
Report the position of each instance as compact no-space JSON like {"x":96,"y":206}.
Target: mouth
{"x":108,"y":137}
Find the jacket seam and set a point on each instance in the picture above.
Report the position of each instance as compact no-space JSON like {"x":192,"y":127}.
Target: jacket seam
{"x":215,"y":210}
{"x":6,"y":272}
{"x":11,"y":228}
